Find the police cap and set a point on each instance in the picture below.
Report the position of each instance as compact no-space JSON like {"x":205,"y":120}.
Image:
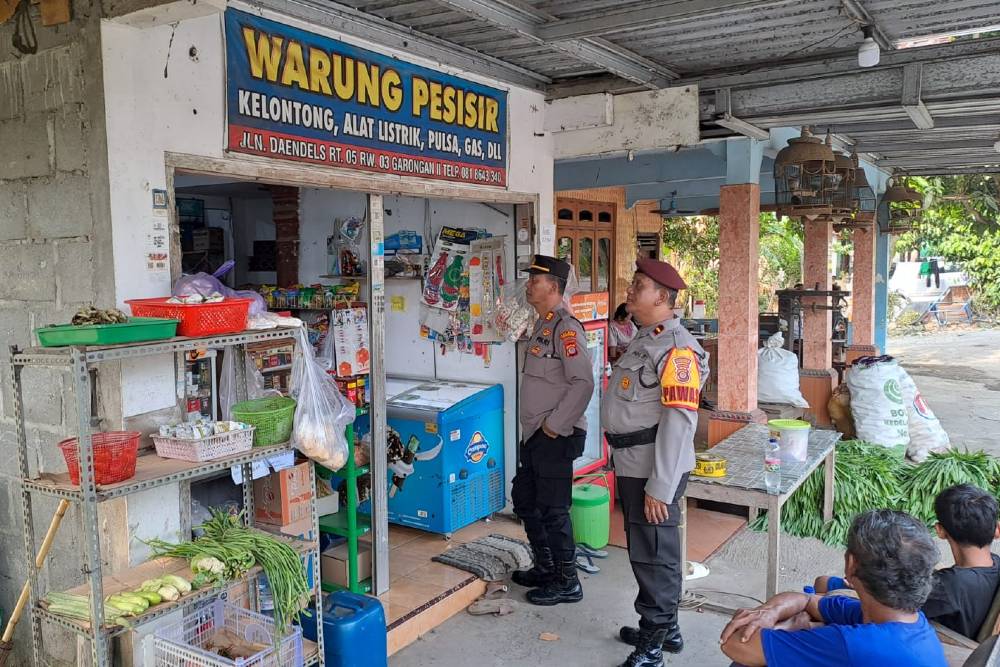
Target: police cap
{"x":549,"y":266}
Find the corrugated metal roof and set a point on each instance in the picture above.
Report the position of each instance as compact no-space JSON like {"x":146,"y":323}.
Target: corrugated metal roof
{"x":909,"y":19}
{"x":728,"y":38}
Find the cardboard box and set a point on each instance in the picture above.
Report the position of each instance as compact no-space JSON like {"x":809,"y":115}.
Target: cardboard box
{"x":329,"y":504}
{"x":283,"y":497}
{"x":333,"y":564}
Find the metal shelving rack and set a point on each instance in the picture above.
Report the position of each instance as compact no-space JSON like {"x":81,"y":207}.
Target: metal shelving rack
{"x":150,"y":473}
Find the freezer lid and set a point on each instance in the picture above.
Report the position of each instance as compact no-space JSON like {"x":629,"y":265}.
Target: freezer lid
{"x":436,"y":395}
{"x":396,"y":386}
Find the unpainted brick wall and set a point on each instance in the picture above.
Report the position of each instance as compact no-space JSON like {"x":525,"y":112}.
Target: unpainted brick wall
{"x":55,"y":256}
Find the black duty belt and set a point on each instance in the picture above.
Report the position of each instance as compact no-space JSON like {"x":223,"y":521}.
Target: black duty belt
{"x":625,"y":440}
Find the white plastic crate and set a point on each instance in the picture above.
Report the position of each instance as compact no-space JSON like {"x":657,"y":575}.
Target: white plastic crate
{"x":183,"y":644}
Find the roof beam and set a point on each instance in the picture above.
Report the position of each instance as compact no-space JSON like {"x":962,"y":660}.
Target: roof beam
{"x":526,"y":21}
{"x":829,"y":66}
{"x":342,"y":18}
{"x":912,"y":104}
{"x":651,"y":14}
{"x":855,"y":10}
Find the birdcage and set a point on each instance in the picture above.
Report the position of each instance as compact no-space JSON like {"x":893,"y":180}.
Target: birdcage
{"x":805,"y":177}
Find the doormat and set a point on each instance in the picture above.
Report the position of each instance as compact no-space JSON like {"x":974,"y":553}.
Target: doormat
{"x":491,"y":558}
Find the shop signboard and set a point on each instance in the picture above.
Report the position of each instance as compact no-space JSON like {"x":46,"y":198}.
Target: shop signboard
{"x":295,"y":95}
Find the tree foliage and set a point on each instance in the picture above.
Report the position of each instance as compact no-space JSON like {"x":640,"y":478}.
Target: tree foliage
{"x":961,"y":222}
{"x":694,"y":243}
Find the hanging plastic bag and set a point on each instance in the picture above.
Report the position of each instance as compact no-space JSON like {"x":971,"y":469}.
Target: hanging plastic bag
{"x":513,"y":314}
{"x":322,"y":413}
{"x":227,"y":385}
{"x":778,"y":374}
{"x":204,"y":285}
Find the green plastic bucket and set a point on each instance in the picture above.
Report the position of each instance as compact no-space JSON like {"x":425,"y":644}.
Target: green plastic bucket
{"x":591,"y":513}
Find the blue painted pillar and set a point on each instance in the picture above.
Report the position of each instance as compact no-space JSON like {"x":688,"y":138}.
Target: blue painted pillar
{"x":881,"y":287}
{"x":743,"y":159}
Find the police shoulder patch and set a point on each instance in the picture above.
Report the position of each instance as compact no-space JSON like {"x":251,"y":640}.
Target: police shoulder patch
{"x":680,"y":379}
{"x":570,"y":348}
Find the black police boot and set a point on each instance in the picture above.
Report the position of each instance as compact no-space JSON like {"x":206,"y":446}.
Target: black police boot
{"x":672,"y":642}
{"x":540,"y":572}
{"x":564,"y":586}
{"x":648,"y":651}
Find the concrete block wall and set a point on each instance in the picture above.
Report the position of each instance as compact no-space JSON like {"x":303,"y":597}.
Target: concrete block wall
{"x":55,"y":241}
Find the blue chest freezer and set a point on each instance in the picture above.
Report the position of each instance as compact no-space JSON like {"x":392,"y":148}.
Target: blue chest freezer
{"x":450,"y":435}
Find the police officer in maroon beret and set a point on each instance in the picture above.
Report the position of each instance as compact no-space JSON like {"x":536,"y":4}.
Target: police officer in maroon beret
{"x":649,"y":413}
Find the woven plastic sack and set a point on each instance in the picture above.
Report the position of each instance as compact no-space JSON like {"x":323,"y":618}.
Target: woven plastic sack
{"x":926,"y":433}
{"x":322,"y":413}
{"x":778,"y":374}
{"x":878,"y":402}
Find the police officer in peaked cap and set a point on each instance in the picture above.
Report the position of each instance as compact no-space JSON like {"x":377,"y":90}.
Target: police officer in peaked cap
{"x":649,"y":413}
{"x":556,"y":385}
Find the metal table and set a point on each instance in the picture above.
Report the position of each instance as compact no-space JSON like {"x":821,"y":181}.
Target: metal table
{"x":744,"y":482}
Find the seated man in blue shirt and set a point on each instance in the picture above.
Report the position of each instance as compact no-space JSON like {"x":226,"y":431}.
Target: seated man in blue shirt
{"x":890,"y":561}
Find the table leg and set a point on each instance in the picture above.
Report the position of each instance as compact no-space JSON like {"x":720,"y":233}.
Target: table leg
{"x":773,"y":545}
{"x":754,"y":512}
{"x":828,"y":486}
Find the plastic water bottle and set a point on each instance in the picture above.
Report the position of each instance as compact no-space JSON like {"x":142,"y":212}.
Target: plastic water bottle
{"x":772,"y":466}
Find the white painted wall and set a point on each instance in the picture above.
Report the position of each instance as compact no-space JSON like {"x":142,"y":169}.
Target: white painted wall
{"x":160,"y":99}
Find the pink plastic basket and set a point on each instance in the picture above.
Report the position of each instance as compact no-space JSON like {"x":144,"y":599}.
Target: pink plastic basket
{"x":204,"y":449}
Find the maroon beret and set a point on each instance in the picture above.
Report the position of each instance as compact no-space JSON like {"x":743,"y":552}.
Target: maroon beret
{"x":661,"y":272}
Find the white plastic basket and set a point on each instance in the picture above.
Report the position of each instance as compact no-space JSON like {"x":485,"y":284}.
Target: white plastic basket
{"x":183,"y":644}
{"x":204,"y":449}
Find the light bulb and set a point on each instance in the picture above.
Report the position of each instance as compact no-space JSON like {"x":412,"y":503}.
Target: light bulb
{"x":868,"y":53}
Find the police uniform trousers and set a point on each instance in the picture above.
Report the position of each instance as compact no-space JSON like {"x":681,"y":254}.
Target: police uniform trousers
{"x":654,"y":551}
{"x":542,"y":490}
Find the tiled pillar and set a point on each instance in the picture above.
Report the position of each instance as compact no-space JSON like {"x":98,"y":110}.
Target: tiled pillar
{"x":817,"y":376}
{"x":739,"y":231}
{"x":286,"y":232}
{"x":863,"y":295}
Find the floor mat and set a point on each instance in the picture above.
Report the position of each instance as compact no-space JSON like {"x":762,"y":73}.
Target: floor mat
{"x":490,"y":558}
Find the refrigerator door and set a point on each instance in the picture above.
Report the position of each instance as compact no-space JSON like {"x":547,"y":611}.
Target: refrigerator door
{"x":593,"y":451}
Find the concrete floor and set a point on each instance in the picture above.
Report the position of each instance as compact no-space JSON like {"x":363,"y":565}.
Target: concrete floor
{"x":958,"y":373}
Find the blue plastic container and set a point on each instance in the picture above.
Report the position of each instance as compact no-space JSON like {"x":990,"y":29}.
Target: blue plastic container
{"x":353,"y":630}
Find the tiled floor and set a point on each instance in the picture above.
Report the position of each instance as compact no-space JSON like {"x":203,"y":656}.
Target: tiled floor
{"x":707,"y":531}
{"x":415,"y":580}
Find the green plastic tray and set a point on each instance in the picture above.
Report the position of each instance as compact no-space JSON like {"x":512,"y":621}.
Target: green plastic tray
{"x":136,"y":330}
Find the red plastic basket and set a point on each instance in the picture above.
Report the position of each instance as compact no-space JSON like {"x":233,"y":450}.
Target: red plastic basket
{"x":114,"y":456}
{"x":201,"y":319}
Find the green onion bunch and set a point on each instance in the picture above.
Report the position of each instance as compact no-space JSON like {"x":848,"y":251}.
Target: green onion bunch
{"x":239,"y":548}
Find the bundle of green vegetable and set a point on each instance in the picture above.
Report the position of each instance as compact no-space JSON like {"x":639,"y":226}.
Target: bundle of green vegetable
{"x":869,"y":476}
{"x":227,"y":549}
{"x":866,"y":476}
{"x":922,"y":483}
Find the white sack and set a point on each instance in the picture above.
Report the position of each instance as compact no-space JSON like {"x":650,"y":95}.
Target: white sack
{"x":778,"y":374}
{"x":878,"y":402}
{"x":926,"y":433}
